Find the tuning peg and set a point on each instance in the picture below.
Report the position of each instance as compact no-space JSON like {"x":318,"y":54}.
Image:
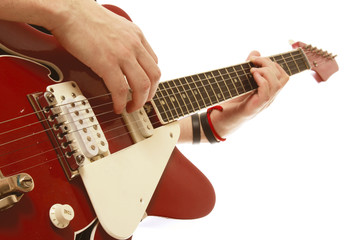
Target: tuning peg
{"x":313,"y":49}
{"x":307,"y":47}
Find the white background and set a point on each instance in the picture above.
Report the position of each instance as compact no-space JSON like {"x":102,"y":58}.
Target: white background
{"x":293,"y":171}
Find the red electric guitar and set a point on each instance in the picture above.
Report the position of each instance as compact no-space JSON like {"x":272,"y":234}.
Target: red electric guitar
{"x":68,"y":163}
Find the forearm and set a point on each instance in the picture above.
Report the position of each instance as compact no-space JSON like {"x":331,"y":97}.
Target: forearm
{"x":44,"y":13}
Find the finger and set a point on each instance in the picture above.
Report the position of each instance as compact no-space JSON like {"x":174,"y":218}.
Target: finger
{"x":284,"y":77}
{"x":117,"y":85}
{"x":268,"y":75}
{"x":253,"y":54}
{"x":149,"y":49}
{"x":263,"y":90}
{"x":138,"y":82}
{"x":152,"y":71}
{"x":266,"y":62}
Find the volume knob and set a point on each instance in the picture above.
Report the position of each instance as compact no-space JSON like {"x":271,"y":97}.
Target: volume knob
{"x":61,"y":215}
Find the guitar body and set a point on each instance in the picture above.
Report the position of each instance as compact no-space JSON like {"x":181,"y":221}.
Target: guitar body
{"x":26,"y":58}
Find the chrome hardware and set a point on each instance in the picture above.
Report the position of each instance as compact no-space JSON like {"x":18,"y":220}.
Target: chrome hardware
{"x":12,"y":189}
{"x":50,"y":97}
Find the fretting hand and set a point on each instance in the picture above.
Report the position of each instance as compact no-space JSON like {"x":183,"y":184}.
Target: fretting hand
{"x":270,"y":78}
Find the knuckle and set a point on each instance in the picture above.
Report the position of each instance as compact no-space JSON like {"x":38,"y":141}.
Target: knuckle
{"x":122,"y":91}
{"x":145,"y":86}
{"x":138,"y":31}
{"x":156,"y":74}
{"x":267,"y":97}
{"x":126,"y":54}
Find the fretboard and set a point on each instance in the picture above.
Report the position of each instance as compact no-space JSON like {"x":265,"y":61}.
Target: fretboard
{"x":177,"y":98}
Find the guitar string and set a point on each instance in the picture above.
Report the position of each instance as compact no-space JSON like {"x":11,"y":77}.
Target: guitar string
{"x":20,"y":160}
{"x":53,"y":149}
{"x":41,"y":111}
{"x":56,"y":157}
{"x":50,"y":129}
{"x":106,"y":112}
{"x":103,"y":95}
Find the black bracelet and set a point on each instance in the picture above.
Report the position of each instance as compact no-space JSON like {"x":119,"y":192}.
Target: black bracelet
{"x":207,"y":129}
{"x":196,"y":128}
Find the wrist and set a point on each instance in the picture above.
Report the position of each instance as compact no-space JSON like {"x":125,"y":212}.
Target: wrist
{"x":66,"y":12}
{"x":226,"y":121}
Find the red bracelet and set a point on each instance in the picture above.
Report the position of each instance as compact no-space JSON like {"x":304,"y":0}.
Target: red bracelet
{"x":210,"y":123}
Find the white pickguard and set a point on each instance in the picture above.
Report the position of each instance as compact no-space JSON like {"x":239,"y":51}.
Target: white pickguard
{"x":120,"y":186}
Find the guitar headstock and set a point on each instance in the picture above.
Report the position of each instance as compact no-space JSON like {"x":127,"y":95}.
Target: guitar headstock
{"x":322,"y":62}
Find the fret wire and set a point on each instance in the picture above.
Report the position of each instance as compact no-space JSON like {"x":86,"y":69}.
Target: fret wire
{"x":239,"y":79}
{"x":165,"y":103}
{"x":207,"y":92}
{"x":220,"y":94}
{"x":210,"y":84}
{"x":222,"y":76}
{"x":195,"y":93}
{"x":278,"y":60}
{"x":291,"y":63}
{"x":160,"y":107}
{"x":177,"y":97}
{"x":235,"y":79}
{"x":303,"y":60}
{"x":170,"y":99}
{"x":249,"y":74}
{"x":187,"y":97}
{"x":286,"y":65}
{"x":183,"y":95}
{"x":295,"y":62}
{"x":246,"y":74}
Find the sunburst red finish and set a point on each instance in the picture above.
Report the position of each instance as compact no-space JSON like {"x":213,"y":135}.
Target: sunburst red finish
{"x":183,"y":192}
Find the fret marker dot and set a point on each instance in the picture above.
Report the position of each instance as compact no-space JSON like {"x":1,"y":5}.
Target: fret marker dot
{"x":162,"y":102}
{"x":183,"y":95}
{"x":219,"y":95}
{"x":172,"y":99}
{"x":195,"y":92}
{"x":235,"y":79}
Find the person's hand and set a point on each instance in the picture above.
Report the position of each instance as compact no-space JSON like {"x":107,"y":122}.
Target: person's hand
{"x":112,"y":47}
{"x":270,"y":78}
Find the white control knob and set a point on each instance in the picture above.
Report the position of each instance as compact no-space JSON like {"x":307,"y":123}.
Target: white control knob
{"x":61,"y":215}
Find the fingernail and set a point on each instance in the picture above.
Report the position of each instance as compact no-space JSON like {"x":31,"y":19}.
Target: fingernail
{"x":253,"y":58}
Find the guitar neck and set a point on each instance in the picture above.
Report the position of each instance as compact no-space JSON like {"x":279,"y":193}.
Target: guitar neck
{"x":179,"y":97}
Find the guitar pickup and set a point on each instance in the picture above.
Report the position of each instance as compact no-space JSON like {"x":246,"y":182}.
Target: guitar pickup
{"x":75,"y":133}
